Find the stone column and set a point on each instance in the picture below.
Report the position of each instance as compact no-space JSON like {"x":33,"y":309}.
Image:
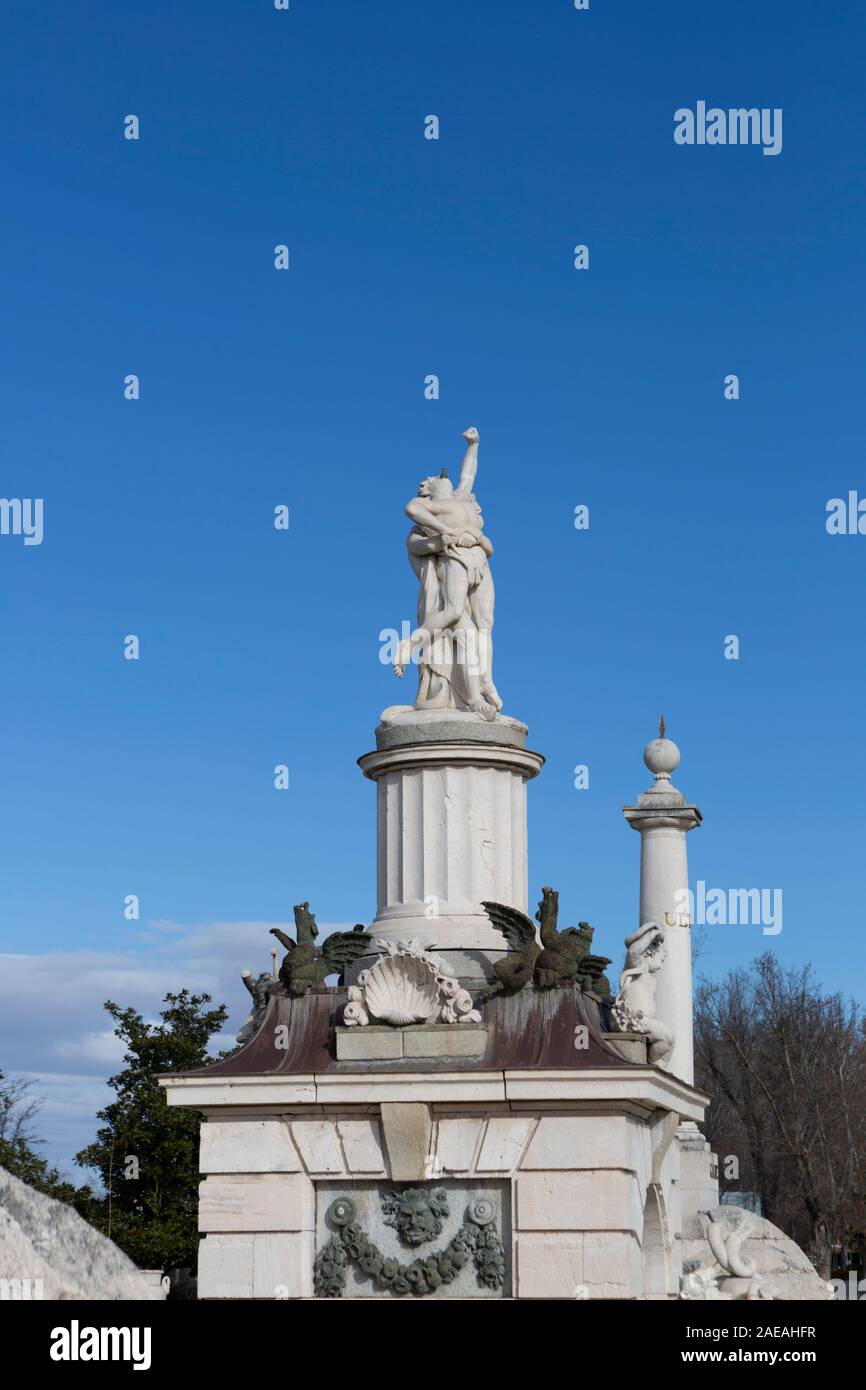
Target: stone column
{"x":451,"y":829}
{"x":664,"y":817}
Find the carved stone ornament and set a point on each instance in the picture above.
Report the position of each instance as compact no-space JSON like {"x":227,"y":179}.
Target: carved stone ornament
{"x":306,"y":965}
{"x":635,"y":1005}
{"x":730,"y":1273}
{"x":477,"y":1241}
{"x":408,"y":985}
{"x":416,"y":1213}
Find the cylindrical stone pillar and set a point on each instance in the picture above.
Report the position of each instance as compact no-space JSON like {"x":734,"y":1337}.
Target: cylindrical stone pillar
{"x":664,"y":817}
{"x":451,"y":829}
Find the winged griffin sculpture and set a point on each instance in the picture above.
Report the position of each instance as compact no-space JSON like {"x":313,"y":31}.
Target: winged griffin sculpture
{"x":558,"y":957}
{"x":305,"y":964}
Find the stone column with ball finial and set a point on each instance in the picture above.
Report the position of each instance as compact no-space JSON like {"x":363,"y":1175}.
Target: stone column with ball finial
{"x":664,"y":817}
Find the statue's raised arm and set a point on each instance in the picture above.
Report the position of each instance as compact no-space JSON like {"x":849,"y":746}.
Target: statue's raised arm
{"x":469,"y":467}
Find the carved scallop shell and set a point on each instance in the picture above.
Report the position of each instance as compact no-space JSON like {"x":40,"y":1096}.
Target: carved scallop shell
{"x":401,"y":989}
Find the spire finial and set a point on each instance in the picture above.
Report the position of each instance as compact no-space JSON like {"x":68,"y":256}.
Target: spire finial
{"x":662,"y":727}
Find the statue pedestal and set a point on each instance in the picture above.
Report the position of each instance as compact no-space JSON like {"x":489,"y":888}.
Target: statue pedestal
{"x":451,"y":829}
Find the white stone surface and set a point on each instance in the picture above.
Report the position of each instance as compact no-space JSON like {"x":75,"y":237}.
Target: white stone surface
{"x":699,"y":1176}
{"x":631,"y":1046}
{"x":549,"y":1264}
{"x":271,"y":1266}
{"x":611,"y":1264}
{"x":505,"y":1139}
{"x":662,"y":1151}
{"x":226,"y":1266}
{"x":603,"y":1140}
{"x":447,"y":1040}
{"x":399,"y":724}
{"x":639,"y":1087}
{"x":593,"y":1200}
{"x":456,"y":1142}
{"x":674,"y":1212}
{"x":407,"y":1131}
{"x":588,"y":1265}
{"x":362,"y":1146}
{"x":660,"y":1255}
{"x":48,"y":1251}
{"x":256,"y":1202}
{"x":457,"y":1087}
{"x":319,"y":1145}
{"x":201,"y":1092}
{"x":369,"y":1044}
{"x":247,"y":1146}
{"x":436,"y":1040}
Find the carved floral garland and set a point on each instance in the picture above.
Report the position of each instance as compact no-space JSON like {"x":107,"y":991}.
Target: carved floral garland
{"x":478,"y":1241}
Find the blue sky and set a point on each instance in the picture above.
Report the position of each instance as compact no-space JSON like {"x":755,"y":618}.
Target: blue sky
{"x":305,"y":387}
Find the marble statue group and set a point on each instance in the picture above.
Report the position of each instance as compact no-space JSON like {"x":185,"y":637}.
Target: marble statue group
{"x":450,"y":556}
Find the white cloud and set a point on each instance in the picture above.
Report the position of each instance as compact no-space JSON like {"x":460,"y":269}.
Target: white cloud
{"x":106,"y":1049}
{"x":55,"y":1031}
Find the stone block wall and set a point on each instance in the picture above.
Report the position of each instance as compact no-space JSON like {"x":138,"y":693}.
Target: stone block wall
{"x":589,"y":1201}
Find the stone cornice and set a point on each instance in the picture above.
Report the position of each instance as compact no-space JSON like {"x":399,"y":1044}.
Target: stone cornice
{"x":683,"y":817}
{"x":648,"y":1087}
{"x":375,"y":765}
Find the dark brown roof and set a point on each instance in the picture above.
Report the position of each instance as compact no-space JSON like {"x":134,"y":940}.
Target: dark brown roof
{"x":534,"y":1028}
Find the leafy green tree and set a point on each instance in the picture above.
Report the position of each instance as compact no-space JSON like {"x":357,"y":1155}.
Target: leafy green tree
{"x":146,"y":1153}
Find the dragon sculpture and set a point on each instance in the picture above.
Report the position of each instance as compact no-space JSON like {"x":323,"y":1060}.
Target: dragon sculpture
{"x":560,"y":956}
{"x":305,"y":964}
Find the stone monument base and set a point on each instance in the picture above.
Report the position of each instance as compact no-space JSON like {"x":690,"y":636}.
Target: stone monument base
{"x":548,"y":1167}
{"x":588,"y":1190}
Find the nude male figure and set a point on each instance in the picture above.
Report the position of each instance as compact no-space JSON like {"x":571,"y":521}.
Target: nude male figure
{"x":448,"y":533}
